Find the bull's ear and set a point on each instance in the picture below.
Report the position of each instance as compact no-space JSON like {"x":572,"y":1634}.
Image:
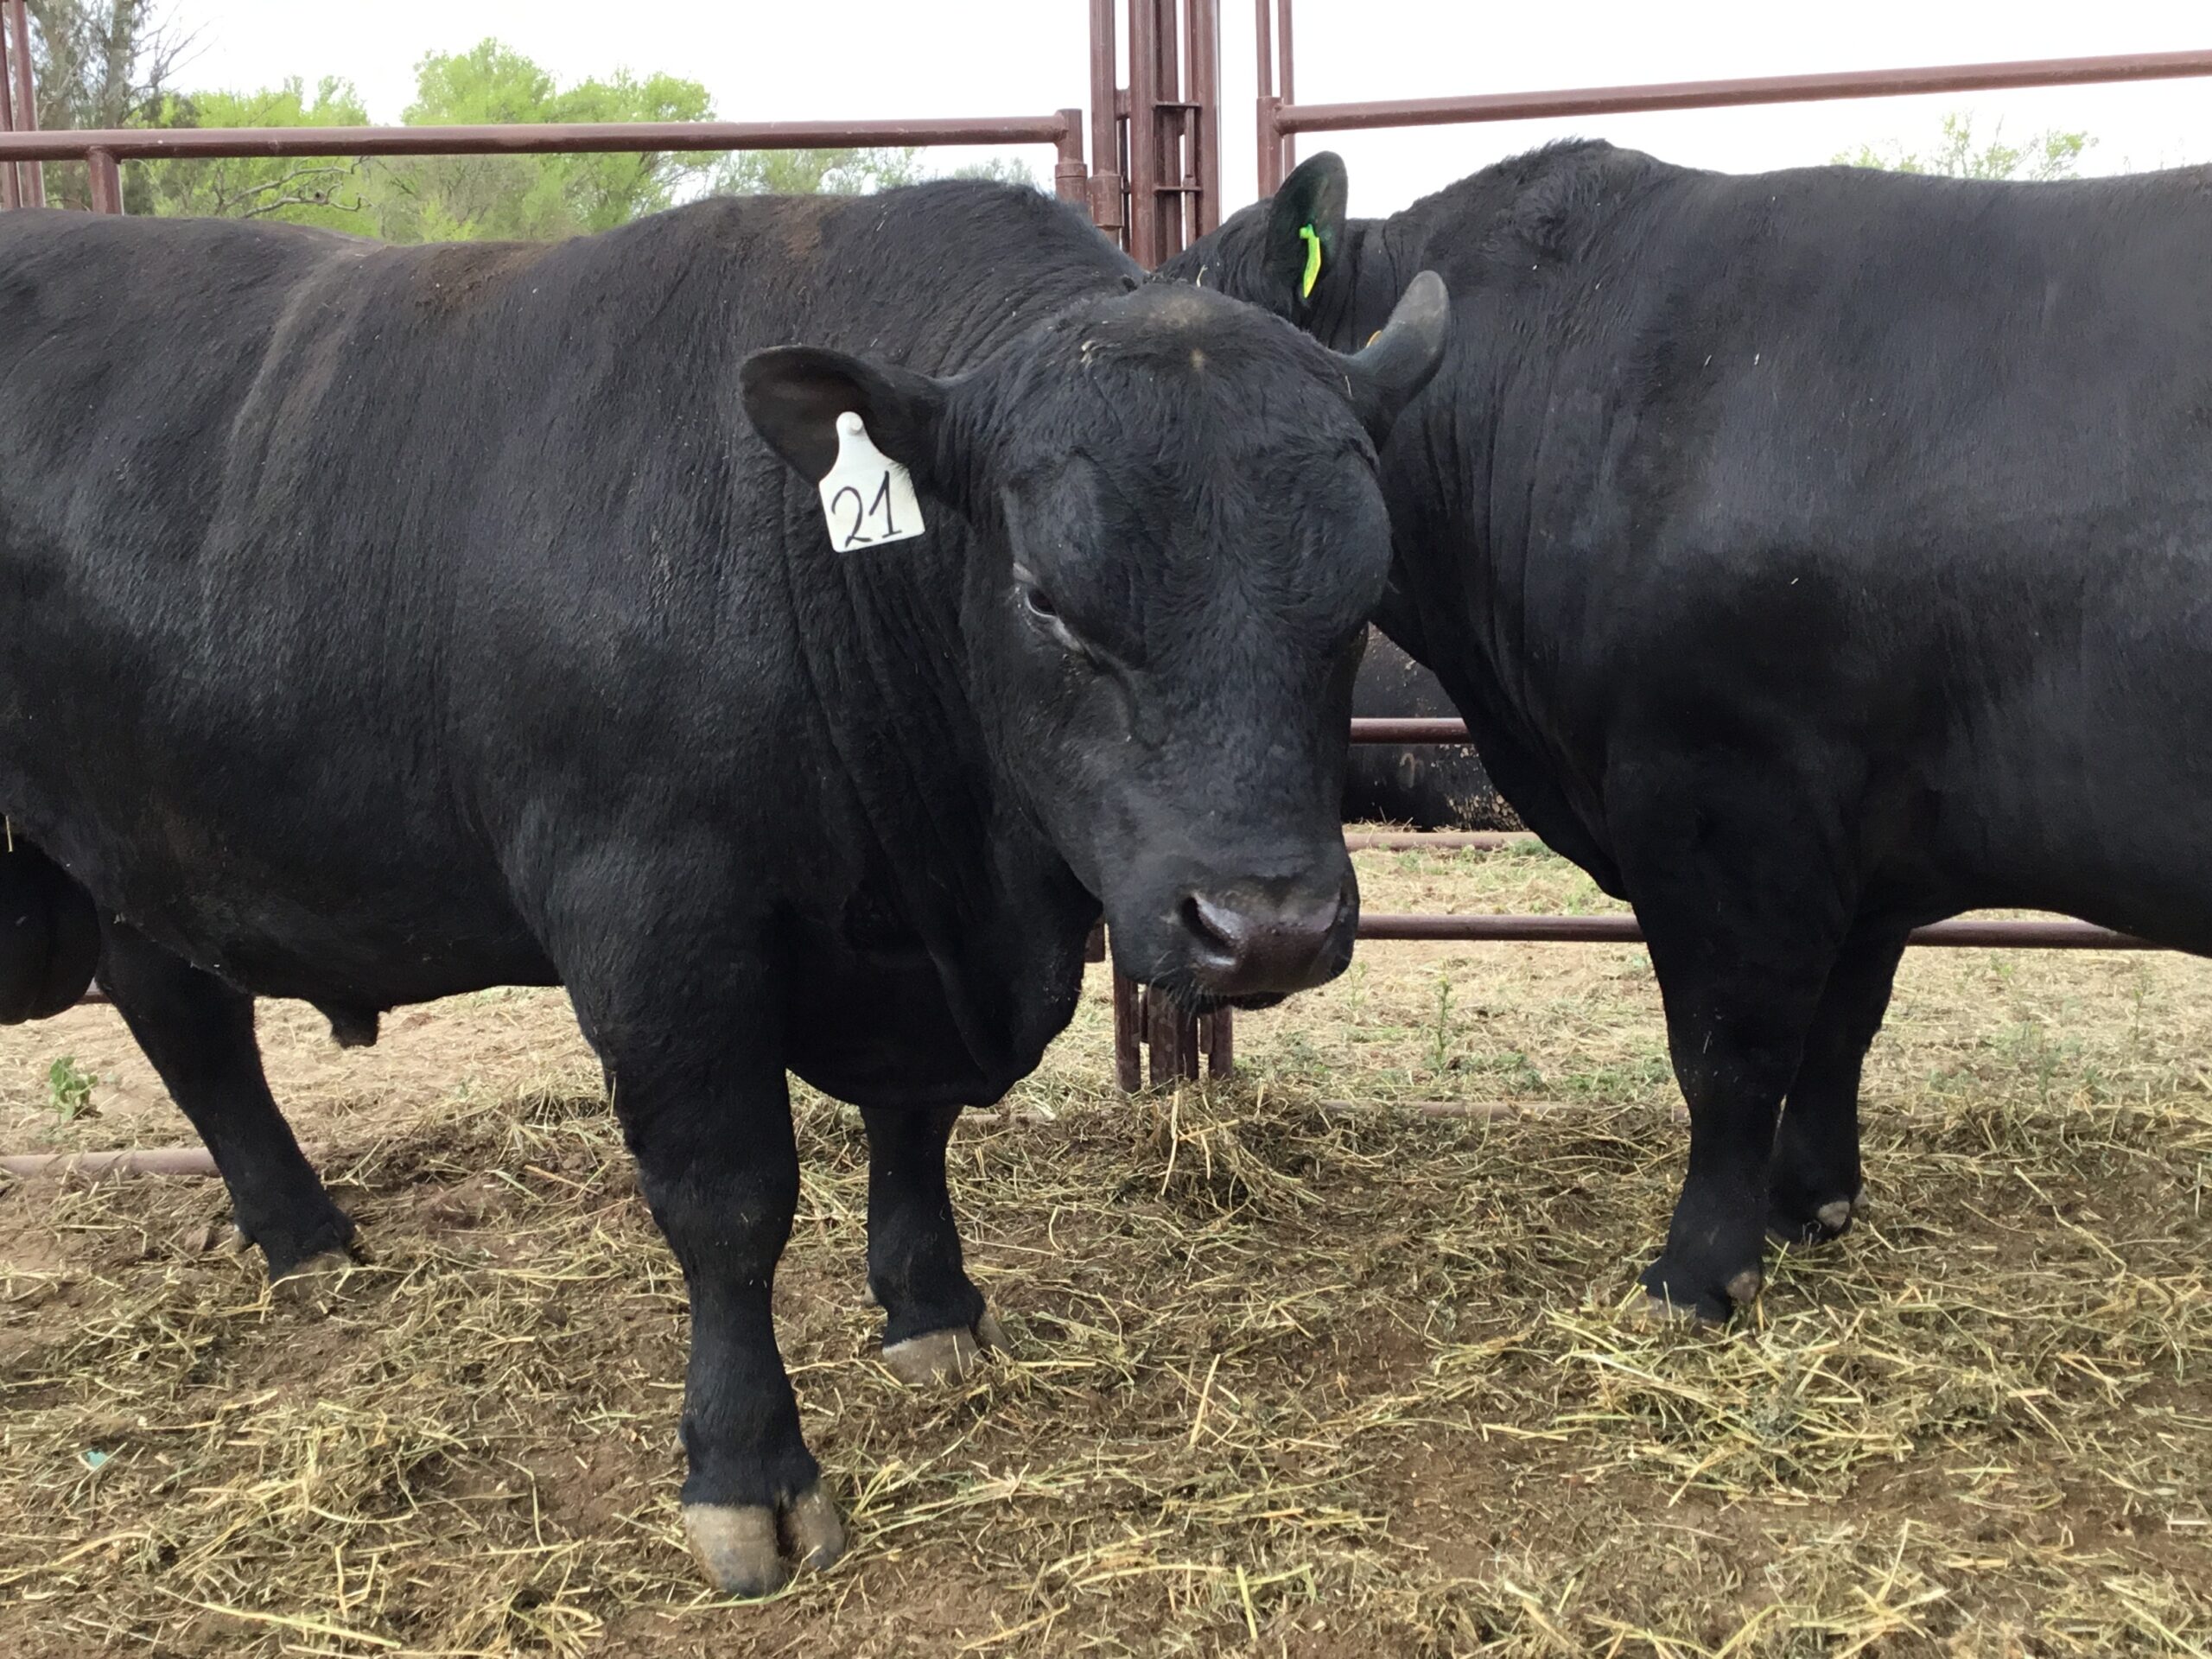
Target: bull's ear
{"x":1306,"y":233}
{"x":794,"y":394}
{"x":1397,"y":363}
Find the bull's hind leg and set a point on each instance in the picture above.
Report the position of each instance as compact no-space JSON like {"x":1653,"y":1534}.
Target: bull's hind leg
{"x":1814,"y":1187}
{"x":935,"y":1323}
{"x":199,"y":1033}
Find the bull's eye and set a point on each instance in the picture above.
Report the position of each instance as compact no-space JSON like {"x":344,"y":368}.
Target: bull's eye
{"x":1039,"y":602}
{"x":1046,"y":615}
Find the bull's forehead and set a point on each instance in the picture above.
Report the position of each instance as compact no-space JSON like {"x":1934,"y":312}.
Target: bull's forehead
{"x":1169,"y":318}
{"x":1184,"y":377}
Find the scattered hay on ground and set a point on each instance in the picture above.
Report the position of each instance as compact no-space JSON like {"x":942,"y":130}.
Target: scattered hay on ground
{"x":1284,"y":1379}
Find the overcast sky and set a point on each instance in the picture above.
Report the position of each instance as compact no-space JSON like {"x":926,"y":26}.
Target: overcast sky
{"x":765,"y":60}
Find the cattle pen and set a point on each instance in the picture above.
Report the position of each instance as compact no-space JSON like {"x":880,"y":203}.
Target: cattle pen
{"x":1324,"y":1357}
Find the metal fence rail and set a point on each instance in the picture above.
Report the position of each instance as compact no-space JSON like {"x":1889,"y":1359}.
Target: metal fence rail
{"x":2038,"y":935}
{"x":104,"y":149}
{"x":1280,"y":117}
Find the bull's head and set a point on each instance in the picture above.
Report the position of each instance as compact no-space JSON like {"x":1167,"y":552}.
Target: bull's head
{"x":1175,"y":539}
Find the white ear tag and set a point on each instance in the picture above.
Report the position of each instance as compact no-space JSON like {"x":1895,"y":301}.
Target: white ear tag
{"x":866,"y":497}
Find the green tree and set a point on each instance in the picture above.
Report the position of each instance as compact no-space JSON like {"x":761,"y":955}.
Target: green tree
{"x":1005,"y":170}
{"x":2048,"y":154}
{"x":418,"y":199}
{"x":301,"y":191}
{"x":540,"y":197}
{"x":816,"y":172}
{"x":100,"y":63}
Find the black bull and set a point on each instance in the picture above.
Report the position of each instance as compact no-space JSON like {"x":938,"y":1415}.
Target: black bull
{"x":1421,"y":785}
{"x":1813,"y":555}
{"x":376,"y":624}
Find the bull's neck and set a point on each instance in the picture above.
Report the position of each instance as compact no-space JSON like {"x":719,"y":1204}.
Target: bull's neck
{"x":1460,"y":582}
{"x":1376,"y":258}
{"x":986,"y":891}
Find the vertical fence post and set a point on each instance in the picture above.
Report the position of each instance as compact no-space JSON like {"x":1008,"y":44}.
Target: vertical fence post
{"x":1128,"y":1057}
{"x":1169,"y":136}
{"x":1143,"y":132}
{"x":1170,"y":119}
{"x":1203,"y":95}
{"x":1268,"y":150}
{"x":107,"y":181}
{"x":1070,"y":179}
{"x":25,"y":119}
{"x":10,"y":194}
{"x":1106,"y":211}
{"x":1285,"y":90}
{"x":1221,"y":1046}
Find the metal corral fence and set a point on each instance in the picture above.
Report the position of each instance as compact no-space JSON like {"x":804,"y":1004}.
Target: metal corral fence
{"x":1157,"y":185}
{"x":1153,"y":184}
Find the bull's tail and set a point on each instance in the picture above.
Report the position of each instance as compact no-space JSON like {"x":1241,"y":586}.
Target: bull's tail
{"x":49,"y":935}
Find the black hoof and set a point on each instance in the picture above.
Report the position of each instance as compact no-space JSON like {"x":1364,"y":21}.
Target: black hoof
{"x":1802,"y":1220}
{"x":1678,"y":1294}
{"x":315,"y":1250}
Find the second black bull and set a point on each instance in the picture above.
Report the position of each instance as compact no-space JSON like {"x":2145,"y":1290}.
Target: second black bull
{"x":1813,"y":555}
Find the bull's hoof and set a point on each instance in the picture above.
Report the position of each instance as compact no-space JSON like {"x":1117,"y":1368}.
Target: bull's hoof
{"x":743,"y":1550}
{"x":1677,"y":1294}
{"x":938,"y":1356}
{"x":312,"y":1278}
{"x":1659,"y":1310}
{"x":1801,"y":1224}
{"x":814,"y":1529}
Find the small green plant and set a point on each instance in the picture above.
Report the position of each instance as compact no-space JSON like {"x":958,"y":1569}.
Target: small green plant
{"x":69,"y":1089}
{"x":2030,"y":1047}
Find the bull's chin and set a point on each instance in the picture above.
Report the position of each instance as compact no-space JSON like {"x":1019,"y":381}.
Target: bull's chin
{"x":1257,"y":1000}
{"x":1196,"y":1002}
{"x":1182,"y":986}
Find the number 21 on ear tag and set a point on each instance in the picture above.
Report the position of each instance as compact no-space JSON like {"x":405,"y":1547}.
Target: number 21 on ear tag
{"x":866,"y":497}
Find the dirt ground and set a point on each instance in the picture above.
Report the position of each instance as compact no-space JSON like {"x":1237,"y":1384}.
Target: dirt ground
{"x":1295,"y":1369}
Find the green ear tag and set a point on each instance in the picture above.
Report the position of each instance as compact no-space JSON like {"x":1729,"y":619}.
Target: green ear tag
{"x":1312,"y":240}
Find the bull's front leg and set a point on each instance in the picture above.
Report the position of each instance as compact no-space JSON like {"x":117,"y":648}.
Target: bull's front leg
{"x":1735,"y":1038}
{"x":723,"y":1184}
{"x":1746,"y":910}
{"x":935,"y":1322}
{"x":697,"y":1072}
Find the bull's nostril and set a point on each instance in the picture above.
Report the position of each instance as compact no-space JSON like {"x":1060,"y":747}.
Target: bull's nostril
{"x":1198,"y":917}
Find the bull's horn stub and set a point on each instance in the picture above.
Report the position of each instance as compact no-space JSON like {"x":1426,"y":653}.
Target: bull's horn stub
{"x":867,"y":498}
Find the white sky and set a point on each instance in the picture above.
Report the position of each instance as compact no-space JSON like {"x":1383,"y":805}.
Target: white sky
{"x":765,"y":60}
